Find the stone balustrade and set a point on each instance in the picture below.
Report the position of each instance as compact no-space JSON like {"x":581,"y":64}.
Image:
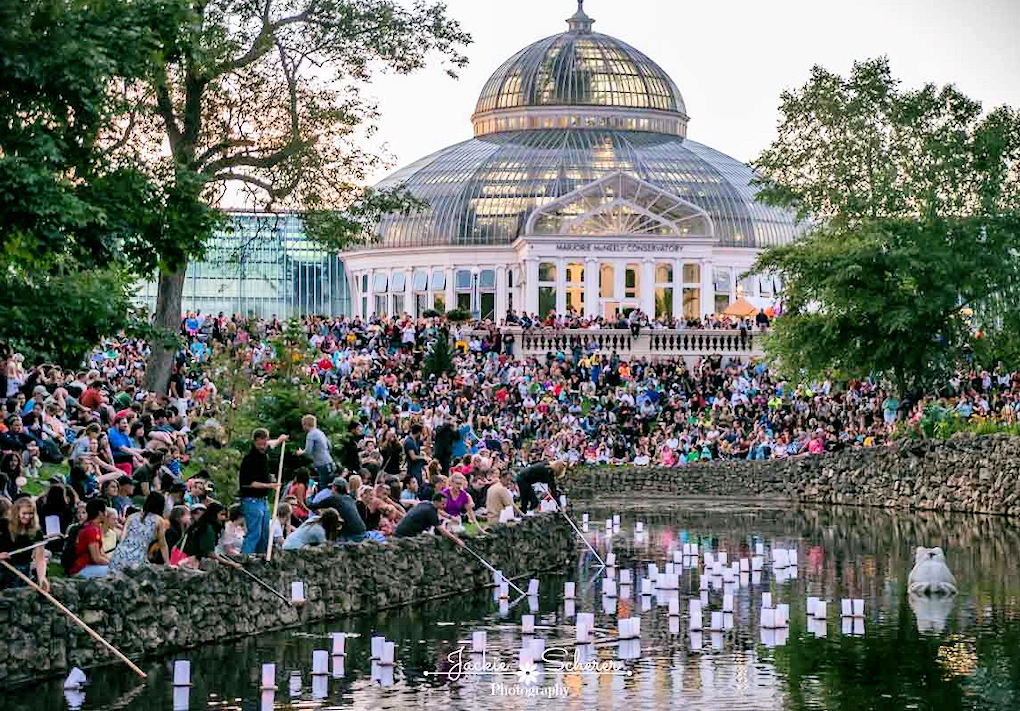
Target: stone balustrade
{"x":648,"y":344}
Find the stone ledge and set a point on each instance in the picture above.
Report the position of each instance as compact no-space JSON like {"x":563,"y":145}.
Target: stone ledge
{"x":132,"y":610}
{"x":965,"y":473}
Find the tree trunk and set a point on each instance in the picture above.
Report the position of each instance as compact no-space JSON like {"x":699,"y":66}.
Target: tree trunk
{"x":167,"y":318}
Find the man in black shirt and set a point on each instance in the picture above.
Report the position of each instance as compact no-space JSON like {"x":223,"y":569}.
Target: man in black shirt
{"x":423,"y":517}
{"x":350,"y":455}
{"x":354,"y":527}
{"x":255,"y":483}
{"x":445,"y":436}
{"x":543,"y":473}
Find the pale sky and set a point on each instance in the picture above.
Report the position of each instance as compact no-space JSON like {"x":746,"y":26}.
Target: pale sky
{"x":730,"y":58}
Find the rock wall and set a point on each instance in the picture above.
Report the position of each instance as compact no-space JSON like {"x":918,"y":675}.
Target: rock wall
{"x":156,"y":610}
{"x":965,"y":473}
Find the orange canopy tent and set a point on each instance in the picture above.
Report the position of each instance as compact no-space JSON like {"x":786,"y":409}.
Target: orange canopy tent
{"x":748,"y":306}
{"x":741,"y":308}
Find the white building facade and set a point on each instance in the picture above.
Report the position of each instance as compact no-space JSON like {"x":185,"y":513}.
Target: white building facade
{"x":580,"y":192}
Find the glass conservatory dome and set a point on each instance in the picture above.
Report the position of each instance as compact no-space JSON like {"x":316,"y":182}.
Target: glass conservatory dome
{"x":588,"y":76}
{"x":559,"y":115}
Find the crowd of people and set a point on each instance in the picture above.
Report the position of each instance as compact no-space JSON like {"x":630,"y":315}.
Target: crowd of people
{"x":445,"y":450}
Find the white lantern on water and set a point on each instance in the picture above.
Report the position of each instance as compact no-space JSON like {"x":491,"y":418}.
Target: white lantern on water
{"x":182,"y":673}
{"x":320,"y":662}
{"x":268,"y":681}
{"x":479,"y":639}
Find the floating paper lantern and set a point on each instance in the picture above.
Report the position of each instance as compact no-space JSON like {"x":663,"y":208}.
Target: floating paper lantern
{"x":694,"y":613}
{"x":377,"y":647}
{"x":568,"y":590}
{"x":320,"y":662}
{"x":182,"y":672}
{"x":268,"y":681}
{"x":297,"y":592}
{"x":479,"y":639}
{"x":527,"y":624}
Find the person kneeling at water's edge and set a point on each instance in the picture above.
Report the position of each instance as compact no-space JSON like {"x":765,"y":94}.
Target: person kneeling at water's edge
{"x":424,"y":516}
{"x":544,"y":473}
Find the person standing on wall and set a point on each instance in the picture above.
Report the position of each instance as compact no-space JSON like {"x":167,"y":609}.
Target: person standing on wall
{"x":256,"y":482}
{"x":317,"y":449}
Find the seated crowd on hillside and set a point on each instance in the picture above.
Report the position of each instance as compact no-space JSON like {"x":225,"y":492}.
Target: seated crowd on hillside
{"x":425,"y":449}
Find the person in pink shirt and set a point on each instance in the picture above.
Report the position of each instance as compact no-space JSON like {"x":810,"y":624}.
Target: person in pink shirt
{"x":817,"y":444}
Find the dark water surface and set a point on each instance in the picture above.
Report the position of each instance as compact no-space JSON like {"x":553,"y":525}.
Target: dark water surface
{"x":963,"y":654}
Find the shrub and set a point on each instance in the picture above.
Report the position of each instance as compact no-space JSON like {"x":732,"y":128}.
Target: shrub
{"x":279,"y":407}
{"x":458,"y":315}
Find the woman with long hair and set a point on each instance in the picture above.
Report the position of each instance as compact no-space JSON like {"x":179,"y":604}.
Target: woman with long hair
{"x":178,"y":524}
{"x":325,"y":528}
{"x":21,"y":529}
{"x":205,"y":533}
{"x":299,"y":490}
{"x":140,"y":531}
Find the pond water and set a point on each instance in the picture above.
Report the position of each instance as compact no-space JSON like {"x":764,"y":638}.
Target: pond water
{"x":963,"y":654}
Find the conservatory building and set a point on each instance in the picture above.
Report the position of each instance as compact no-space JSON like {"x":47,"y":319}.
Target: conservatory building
{"x":580,"y":191}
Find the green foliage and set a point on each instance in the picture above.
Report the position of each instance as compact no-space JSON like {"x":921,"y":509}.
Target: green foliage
{"x":938,"y":422}
{"x":439,"y":359}
{"x":223,"y":465}
{"x":279,"y":407}
{"x":915,"y":216}
{"x":61,"y":317}
{"x":458,"y":315}
{"x":431,"y":313}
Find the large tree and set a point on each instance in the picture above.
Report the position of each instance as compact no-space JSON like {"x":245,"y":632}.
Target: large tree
{"x":66,"y":205}
{"x":258,"y":101}
{"x":912,"y":207}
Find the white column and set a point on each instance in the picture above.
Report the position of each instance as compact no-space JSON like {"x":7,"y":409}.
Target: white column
{"x":678,"y":288}
{"x":646,"y":295}
{"x":451,"y":295}
{"x":531,"y":286}
{"x":619,"y":280}
{"x":561,"y":287}
{"x":591,"y":287}
{"x":370,"y":293}
{"x":501,"y":294}
{"x":707,"y":288}
{"x":409,"y":291}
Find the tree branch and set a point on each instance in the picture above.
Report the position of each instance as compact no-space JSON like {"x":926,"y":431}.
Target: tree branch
{"x":264,"y":185}
{"x":165,"y":106}
{"x":261,"y":162}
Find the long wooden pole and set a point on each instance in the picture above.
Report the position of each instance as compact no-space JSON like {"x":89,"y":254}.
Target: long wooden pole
{"x":276,"y":502}
{"x":36,"y":545}
{"x":264,"y":584}
{"x":77,"y":620}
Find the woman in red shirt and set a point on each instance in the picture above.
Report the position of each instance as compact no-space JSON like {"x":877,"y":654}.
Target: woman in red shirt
{"x":89,"y":560}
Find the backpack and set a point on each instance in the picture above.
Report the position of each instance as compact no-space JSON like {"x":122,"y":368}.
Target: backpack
{"x":69,"y":552}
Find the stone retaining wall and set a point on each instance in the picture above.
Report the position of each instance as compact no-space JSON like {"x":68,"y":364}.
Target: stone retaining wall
{"x":157,"y":610}
{"x":965,"y":473}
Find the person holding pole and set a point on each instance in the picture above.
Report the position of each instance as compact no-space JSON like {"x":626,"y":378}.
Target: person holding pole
{"x":256,"y":483}
{"x":20,"y":530}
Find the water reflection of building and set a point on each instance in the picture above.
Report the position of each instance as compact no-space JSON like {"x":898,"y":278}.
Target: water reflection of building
{"x":579,"y":191}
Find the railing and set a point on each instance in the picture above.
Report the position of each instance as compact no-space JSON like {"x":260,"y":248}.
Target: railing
{"x":648,"y":343}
